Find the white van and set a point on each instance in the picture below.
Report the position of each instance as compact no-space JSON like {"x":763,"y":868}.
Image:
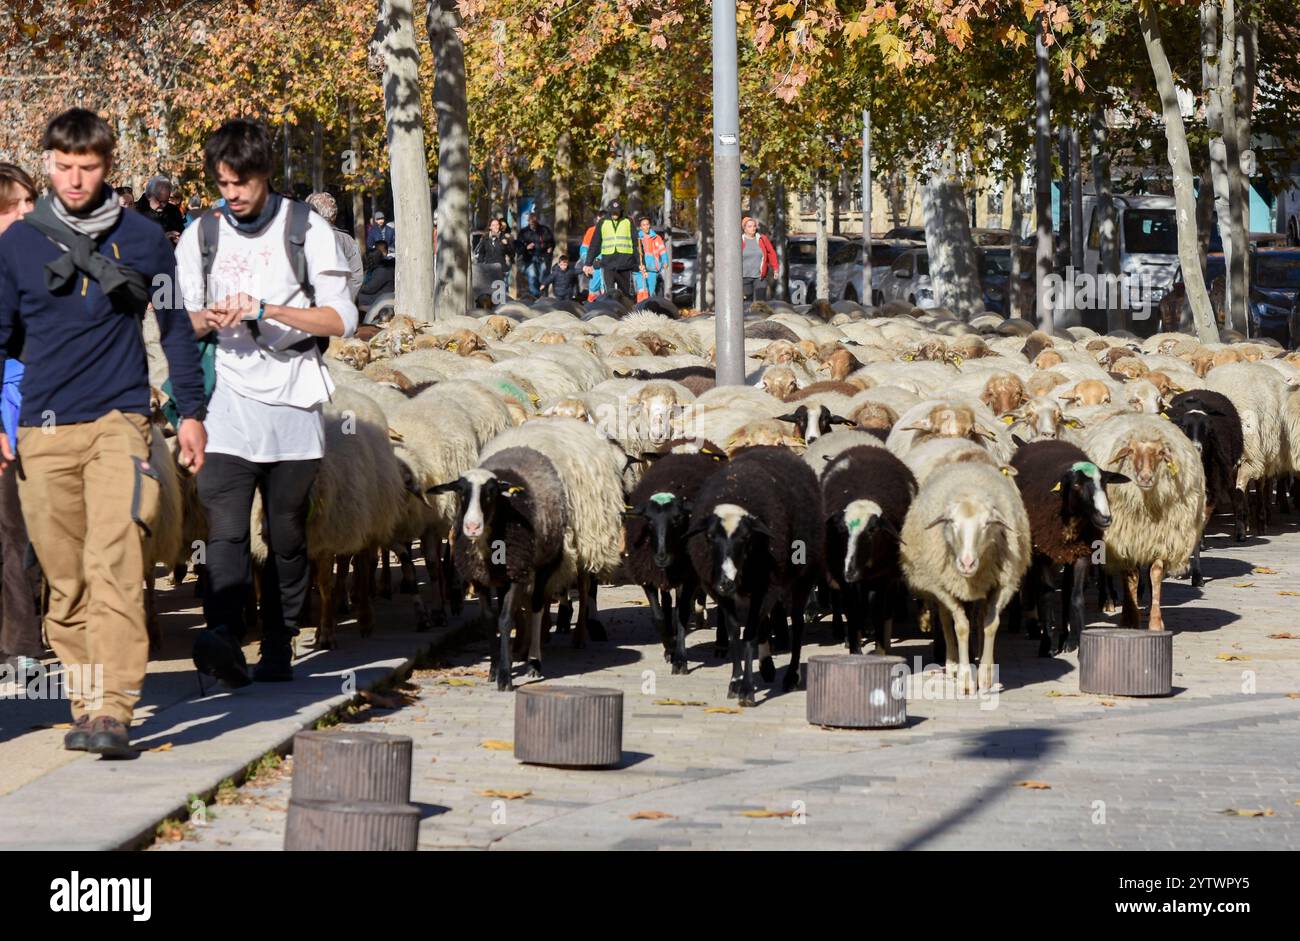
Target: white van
{"x":1147,"y":229}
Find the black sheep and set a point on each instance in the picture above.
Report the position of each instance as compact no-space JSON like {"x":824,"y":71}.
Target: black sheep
{"x":656,"y":558}
{"x":1065,"y":498}
{"x":756,"y":542}
{"x":866,"y":492}
{"x":813,"y":421}
{"x":1211,"y":422}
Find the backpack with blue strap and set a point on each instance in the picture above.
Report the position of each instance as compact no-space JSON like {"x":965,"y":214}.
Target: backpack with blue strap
{"x":295,"y":246}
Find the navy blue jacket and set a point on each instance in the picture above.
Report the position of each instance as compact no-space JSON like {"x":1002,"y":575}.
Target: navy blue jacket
{"x":84,"y":358}
{"x":566,"y":282}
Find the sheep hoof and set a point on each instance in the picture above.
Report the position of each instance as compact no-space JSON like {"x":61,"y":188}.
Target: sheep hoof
{"x":733,"y":689}
{"x":679,"y":667}
{"x":746,"y":698}
{"x":535,"y":669}
{"x":1110,"y":608}
{"x":767,"y":669}
{"x":668,"y":654}
{"x":791,"y":679}
{"x":596,"y":630}
{"x":1197,"y":579}
{"x":1071,"y":643}
{"x":323,"y":643}
{"x":1240,"y":533}
{"x":366,"y":628}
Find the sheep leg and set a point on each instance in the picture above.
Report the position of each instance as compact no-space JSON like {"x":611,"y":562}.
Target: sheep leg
{"x":685,"y":602}
{"x":343,"y":563}
{"x":1155,"y":621}
{"x":852,"y":598}
{"x":365,"y":562}
{"x":1053,"y":636}
{"x":721,"y":642}
{"x":410,"y":583}
{"x":504,"y":619}
{"x":587,"y":609}
{"x":949,"y":641}
{"x":753,"y":630}
{"x":540,"y":604}
{"x":791,"y":679}
{"x":882,"y":621}
{"x":326,"y":584}
{"x":1239,"y":508}
{"x":728,"y":622}
{"x":1132,"y":611}
{"x":961,"y":629}
{"x":659,"y":618}
{"x":781,"y":631}
{"x":1078,"y":578}
{"x":1033,"y":604}
{"x":450,"y":578}
{"x":431,"y":549}
{"x":837,"y":616}
{"x":988,"y":670}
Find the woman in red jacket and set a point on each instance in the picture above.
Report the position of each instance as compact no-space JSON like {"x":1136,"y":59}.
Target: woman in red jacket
{"x":757,"y":260}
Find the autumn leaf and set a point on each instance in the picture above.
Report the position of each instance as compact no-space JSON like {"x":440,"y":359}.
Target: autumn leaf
{"x":679,"y":702}
{"x":1263,"y":570}
{"x":166,"y":746}
{"x":1235,"y":812}
{"x":727,"y":710}
{"x":1285,"y":635}
{"x":1289,"y":594}
{"x":650,"y":815}
{"x":504,"y":795}
{"x":765,"y":813}
{"x":1244,"y":585}
{"x":1034,"y":785}
{"x":495,"y":744}
{"x":458,"y":681}
{"x":1107,"y":702}
{"x":1228,"y":657}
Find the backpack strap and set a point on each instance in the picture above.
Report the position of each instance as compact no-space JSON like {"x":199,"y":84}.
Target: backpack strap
{"x":295,"y":245}
{"x":209,"y":233}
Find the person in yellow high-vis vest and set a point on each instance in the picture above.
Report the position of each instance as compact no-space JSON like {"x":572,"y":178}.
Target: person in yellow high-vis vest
{"x":613,"y":250}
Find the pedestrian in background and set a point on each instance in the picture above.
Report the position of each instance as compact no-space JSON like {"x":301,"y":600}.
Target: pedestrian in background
{"x":494,"y":253}
{"x":595,"y":282}
{"x":156,"y":206}
{"x":21,"y":645}
{"x":564,"y":278}
{"x":380,"y":230}
{"x":536,"y":245}
{"x":613,"y":251}
{"x":652,"y":259}
{"x":757,"y":260}
{"x":328,"y":208}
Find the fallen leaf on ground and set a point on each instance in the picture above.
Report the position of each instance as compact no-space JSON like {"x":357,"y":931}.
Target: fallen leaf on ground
{"x":504,"y":795}
{"x":165,"y":746}
{"x":1285,"y":635}
{"x":1034,"y":785}
{"x":1289,"y":594}
{"x":495,"y":744}
{"x":660,"y":815}
{"x":1244,"y":585}
{"x":1057,"y":694}
{"x":1107,"y":702}
{"x":1264,"y":570}
{"x":767,"y":813}
{"x":1236,"y":812}
{"x":1230,"y":656}
{"x":728,"y":710}
{"x":459,"y":681}
{"x":1293,"y":695}
{"x":679,"y":702}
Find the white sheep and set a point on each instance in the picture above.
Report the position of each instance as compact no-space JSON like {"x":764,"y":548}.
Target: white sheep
{"x":966,"y":539}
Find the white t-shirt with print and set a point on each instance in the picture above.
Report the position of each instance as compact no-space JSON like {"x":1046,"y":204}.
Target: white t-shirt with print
{"x":267,"y":404}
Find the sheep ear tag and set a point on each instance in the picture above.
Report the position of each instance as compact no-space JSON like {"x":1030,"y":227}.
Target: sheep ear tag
{"x":1008,"y":419}
{"x":514,"y":491}
{"x":1057,"y":488}
{"x":1173,"y":468}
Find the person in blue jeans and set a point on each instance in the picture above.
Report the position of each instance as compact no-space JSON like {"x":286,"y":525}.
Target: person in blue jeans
{"x":536,"y":243}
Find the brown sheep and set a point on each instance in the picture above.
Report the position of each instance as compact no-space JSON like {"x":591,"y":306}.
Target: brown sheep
{"x":767,"y":431}
{"x":875,"y":416}
{"x":1047,"y":359}
{"x":1043,"y":382}
{"x":780,"y":382}
{"x":1168,"y":388}
{"x":776,"y":353}
{"x":498,"y":326}
{"x":950,"y":421}
{"x":463,"y":342}
{"x":1088,"y":392}
{"x":1130,"y":367}
{"x":1004,"y":393}
{"x":657,"y":345}
{"x":551,"y":338}
{"x":354,"y":352}
{"x":839,"y":363}
{"x":1035,"y":343}
{"x":1113,"y":355}
{"x":840,"y":388}
{"x":969,"y":347}
{"x":807,"y":349}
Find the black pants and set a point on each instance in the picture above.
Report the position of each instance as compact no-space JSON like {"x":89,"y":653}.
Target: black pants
{"x":20,"y":632}
{"x":754,"y":289}
{"x":620,"y":279}
{"x":226,"y":486}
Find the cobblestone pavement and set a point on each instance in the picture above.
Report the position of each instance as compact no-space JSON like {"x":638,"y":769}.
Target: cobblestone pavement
{"x":1174,"y":773}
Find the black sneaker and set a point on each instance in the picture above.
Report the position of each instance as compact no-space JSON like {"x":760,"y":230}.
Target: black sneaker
{"x":275,"y":665}
{"x":109,"y":738}
{"x":79,"y":737}
{"x":217,"y":654}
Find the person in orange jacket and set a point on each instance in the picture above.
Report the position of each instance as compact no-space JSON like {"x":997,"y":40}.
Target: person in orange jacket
{"x":758,"y":260}
{"x":652,"y":259}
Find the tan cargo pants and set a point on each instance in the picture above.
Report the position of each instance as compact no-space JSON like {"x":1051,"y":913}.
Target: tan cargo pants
{"x":87,"y":492}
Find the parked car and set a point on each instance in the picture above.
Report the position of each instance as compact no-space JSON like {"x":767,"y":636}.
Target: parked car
{"x":908,"y":280}
{"x":801,"y":262}
{"x":685,"y":265}
{"x":1275,"y":285}
{"x":883,"y":254}
{"x":1148,"y":244}
{"x":908,"y":233}
{"x":995,"y":276}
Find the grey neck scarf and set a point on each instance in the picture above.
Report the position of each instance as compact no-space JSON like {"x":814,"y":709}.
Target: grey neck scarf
{"x":93,"y":222}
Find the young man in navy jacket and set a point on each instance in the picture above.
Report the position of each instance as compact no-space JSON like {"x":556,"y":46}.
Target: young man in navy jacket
{"x":76,"y":275}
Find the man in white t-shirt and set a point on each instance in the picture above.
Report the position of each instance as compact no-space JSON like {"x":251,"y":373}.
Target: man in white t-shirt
{"x":266,"y":430}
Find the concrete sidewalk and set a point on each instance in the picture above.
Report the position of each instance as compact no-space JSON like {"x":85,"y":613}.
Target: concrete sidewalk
{"x":54,"y":799}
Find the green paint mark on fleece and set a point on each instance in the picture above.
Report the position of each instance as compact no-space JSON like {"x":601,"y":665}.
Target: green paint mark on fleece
{"x":662,"y":498}
{"x":854,"y":524}
{"x":1086,"y":467}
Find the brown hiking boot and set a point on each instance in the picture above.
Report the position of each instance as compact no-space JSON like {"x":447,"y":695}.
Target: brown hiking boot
{"x":79,"y":737}
{"x":108,"y":737}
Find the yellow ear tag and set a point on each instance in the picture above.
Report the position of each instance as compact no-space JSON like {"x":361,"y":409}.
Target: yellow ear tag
{"x":451,"y":347}
{"x":956,"y":360}
{"x":909,"y":357}
{"x":1173,"y":468}
{"x":514,"y":490}
{"x":1071,"y":423}
{"x":1006,"y":471}
{"x":1165,"y":416}
{"x":1009,"y":419}
{"x":1057,"y":488}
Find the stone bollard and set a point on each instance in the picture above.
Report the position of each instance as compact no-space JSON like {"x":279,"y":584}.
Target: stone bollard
{"x":351,"y":791}
{"x":857,"y":692}
{"x":1115,"y":661}
{"x":569,"y":726}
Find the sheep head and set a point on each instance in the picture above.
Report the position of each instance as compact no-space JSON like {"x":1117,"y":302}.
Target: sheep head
{"x":1042,"y":382}
{"x":551,"y":338}
{"x":1166,"y":386}
{"x":839,"y":364}
{"x":951,"y":421}
{"x":858,"y":525}
{"x":969,"y":528}
{"x":813,"y":421}
{"x":1130,"y":367}
{"x":658,"y":404}
{"x":733,"y":534}
{"x":482,"y":495}
{"x":353,"y":352}
{"x":667,"y":518}
{"x":498,"y":326}
{"x":1004,"y":393}
{"x":1088,"y":392}
{"x":1047,"y":359}
{"x":1041,"y":416}
{"x":567,"y":408}
{"x":779,"y":352}
{"x":1083,"y":492}
{"x":780,"y":382}
{"x":1146,"y":457}
{"x":1142,"y":396}
{"x":875,"y":415}
{"x":655,"y":344}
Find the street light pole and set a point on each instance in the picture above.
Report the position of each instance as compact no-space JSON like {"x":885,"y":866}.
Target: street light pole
{"x":867,"y":296}
{"x":730,"y":329}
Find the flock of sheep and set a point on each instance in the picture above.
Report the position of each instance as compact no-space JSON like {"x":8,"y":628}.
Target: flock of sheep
{"x":881,"y":465}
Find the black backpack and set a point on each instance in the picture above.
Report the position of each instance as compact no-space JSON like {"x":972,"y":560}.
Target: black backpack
{"x":295,"y":246}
